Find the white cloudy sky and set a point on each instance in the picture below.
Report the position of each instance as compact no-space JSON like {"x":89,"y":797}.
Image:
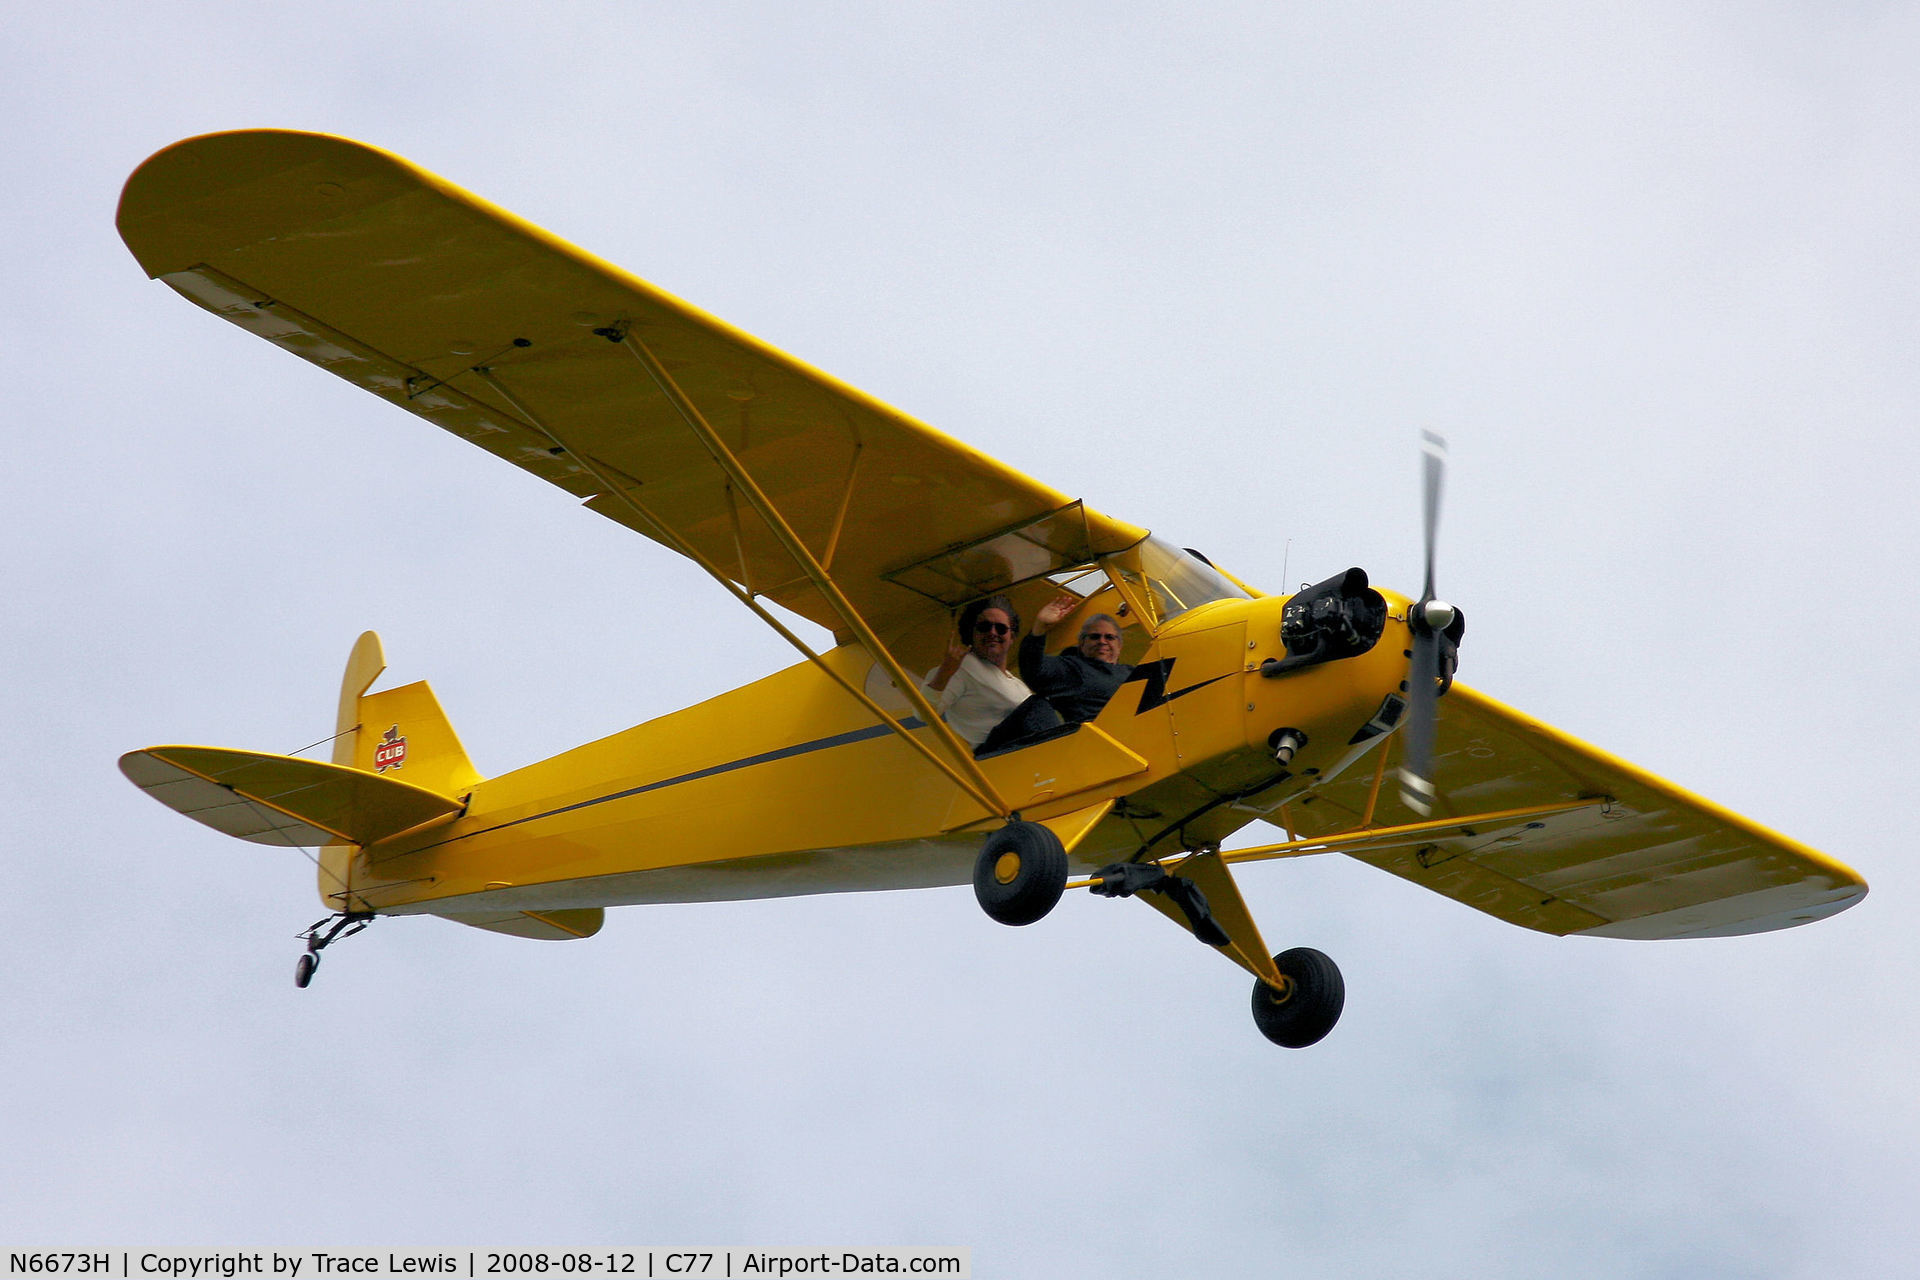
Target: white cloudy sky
{"x":1652,"y":272}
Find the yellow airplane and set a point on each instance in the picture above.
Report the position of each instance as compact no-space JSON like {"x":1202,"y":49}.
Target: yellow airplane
{"x":802,"y":496}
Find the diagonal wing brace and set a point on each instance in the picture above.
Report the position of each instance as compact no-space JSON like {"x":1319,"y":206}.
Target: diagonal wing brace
{"x":959,"y":766}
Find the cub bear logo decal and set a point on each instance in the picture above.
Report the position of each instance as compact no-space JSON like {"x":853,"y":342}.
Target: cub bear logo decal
{"x":390,"y":752}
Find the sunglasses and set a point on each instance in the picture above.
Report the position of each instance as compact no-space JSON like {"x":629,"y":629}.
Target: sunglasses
{"x":1101,"y":635}
{"x":991,"y":628}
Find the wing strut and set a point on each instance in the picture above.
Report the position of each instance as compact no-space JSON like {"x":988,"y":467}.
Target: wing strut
{"x":846,"y":500}
{"x":973,"y":780}
{"x":816,"y":573}
{"x":1366,"y":839}
{"x":1362,"y":839}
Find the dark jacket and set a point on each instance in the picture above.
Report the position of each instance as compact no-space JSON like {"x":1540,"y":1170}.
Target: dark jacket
{"x":1076,"y":685}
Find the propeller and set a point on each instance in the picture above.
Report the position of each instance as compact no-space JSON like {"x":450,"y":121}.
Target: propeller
{"x":1430,"y":620}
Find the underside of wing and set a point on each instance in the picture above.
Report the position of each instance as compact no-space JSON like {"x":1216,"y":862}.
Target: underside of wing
{"x":282,"y":800}
{"x":503,"y":334}
{"x":1558,"y":836}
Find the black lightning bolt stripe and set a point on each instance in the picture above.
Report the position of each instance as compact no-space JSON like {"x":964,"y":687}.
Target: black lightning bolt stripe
{"x":1154,"y":676}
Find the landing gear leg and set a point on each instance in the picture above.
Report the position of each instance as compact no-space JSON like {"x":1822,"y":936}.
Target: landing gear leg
{"x":322,"y":934}
{"x":1124,"y":879}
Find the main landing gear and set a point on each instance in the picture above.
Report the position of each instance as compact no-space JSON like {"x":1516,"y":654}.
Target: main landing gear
{"x":1124,"y":879}
{"x":1022,"y":871}
{"x":341,"y":924}
{"x":1305,"y":1009}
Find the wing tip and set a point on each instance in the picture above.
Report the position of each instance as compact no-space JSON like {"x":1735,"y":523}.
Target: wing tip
{"x":1762,"y":911}
{"x":202,"y":195}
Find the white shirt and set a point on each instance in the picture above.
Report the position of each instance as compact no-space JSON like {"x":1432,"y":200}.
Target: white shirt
{"x":978,"y":697}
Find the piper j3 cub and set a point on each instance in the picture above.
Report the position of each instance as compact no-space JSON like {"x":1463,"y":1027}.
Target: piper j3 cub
{"x":838,"y":774}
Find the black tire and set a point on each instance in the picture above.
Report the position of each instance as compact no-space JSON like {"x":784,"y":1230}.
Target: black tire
{"x":1020,"y":874}
{"x":1312,"y":1004}
{"x":303,"y":969}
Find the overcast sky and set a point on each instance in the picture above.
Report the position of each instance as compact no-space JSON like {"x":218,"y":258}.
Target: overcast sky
{"x":1652,"y":272}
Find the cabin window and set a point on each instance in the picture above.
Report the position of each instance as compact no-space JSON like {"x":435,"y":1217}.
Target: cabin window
{"x":1085,"y":582}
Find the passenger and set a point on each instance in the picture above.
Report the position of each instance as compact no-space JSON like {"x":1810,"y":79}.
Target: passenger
{"x":975,"y":690}
{"x":1069,"y":688}
{"x":1079,"y":681}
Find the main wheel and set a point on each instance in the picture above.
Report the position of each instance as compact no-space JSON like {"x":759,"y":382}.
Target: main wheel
{"x":303,"y":969}
{"x":1021,"y":872}
{"x":1311,"y":1004}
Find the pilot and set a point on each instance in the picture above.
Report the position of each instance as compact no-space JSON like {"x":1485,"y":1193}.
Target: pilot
{"x":1079,"y":681}
{"x":1069,"y":688}
{"x":975,"y":690}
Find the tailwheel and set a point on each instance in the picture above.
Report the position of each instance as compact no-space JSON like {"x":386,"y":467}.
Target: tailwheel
{"x":1020,"y":874}
{"x":322,"y":934}
{"x":1310,"y":1004}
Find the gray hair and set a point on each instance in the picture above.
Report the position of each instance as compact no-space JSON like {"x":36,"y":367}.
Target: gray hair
{"x":1098,"y":617}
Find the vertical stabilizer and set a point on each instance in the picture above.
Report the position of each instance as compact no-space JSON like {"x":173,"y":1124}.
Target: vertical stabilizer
{"x":397,"y":733}
{"x":404,"y":735}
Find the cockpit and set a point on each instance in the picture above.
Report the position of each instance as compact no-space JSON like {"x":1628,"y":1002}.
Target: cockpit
{"x":1145,"y":585}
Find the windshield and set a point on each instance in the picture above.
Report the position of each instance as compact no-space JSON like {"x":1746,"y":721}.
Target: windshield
{"x":1165,"y":579}
{"x":1180,"y":581}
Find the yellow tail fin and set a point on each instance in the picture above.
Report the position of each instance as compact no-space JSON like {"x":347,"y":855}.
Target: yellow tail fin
{"x":400,"y":734}
{"x":404,"y":735}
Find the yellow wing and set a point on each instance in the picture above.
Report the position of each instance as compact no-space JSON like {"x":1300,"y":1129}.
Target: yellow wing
{"x":485,"y":325}
{"x":1646,"y":859}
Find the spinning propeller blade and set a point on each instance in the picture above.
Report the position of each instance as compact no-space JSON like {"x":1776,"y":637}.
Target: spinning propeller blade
{"x":1429,"y":619}
{"x":1433,"y":459}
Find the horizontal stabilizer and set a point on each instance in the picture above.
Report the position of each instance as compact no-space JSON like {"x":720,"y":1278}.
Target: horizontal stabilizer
{"x":282,"y":800}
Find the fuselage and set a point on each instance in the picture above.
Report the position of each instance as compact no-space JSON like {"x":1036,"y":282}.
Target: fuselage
{"x":788,"y":786}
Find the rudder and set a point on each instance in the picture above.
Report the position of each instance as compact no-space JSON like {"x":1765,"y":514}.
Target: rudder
{"x":397,"y":733}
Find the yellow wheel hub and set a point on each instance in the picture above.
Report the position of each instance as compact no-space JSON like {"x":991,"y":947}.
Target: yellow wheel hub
{"x":1006,"y":867}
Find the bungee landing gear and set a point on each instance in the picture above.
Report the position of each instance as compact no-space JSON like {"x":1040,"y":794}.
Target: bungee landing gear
{"x":1124,"y":879}
{"x":1021,"y":874}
